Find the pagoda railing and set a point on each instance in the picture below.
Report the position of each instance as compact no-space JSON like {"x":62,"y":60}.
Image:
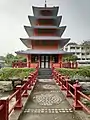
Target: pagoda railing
{"x":72,"y":90}
{"x":24,"y":64}
{"x":21,"y":91}
{"x":72,"y":65}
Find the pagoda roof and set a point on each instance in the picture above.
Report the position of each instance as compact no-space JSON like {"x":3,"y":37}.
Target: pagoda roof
{"x":33,"y":19}
{"x":62,"y":41}
{"x":36,"y":10}
{"x":31,"y":51}
{"x":45,"y":27}
{"x":30,"y":32}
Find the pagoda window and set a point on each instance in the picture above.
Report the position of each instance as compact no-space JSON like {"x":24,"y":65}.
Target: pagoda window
{"x":46,"y":32}
{"x":55,"y":58}
{"x":34,"y":58}
{"x":46,"y":12}
{"x":45,"y":22}
{"x":44,"y":43}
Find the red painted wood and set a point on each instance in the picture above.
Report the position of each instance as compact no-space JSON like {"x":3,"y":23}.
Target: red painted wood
{"x":5,"y":108}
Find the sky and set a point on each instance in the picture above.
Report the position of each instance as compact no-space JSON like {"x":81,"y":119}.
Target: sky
{"x":14,"y":15}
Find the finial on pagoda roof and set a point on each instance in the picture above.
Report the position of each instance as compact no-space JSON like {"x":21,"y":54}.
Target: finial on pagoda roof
{"x":45,"y":3}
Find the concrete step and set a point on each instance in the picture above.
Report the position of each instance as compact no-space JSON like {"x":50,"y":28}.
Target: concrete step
{"x":44,"y":73}
{"x":44,"y":76}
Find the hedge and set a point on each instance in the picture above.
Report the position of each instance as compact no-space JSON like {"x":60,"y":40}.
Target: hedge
{"x":84,"y":71}
{"x":6,"y":73}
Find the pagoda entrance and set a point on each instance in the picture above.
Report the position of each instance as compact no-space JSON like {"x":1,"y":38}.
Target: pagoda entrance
{"x":44,"y":61}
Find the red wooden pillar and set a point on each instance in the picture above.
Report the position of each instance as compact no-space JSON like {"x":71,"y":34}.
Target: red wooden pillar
{"x":19,"y":104}
{"x":39,"y":60}
{"x":50,"y":61}
{"x":5,"y":109}
{"x":68,"y":88}
{"x":60,"y":60}
{"x":76,"y":65}
{"x":28,"y":60}
{"x":77,"y":88}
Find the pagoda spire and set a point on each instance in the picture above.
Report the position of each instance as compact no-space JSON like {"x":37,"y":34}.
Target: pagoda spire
{"x":45,"y":3}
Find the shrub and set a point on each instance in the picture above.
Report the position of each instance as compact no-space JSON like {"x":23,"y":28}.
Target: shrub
{"x":85,"y":72}
{"x":6,"y":73}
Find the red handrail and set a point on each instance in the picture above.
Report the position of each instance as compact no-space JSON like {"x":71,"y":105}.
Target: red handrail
{"x":1,"y":107}
{"x":65,"y":85}
{"x":20,"y":92}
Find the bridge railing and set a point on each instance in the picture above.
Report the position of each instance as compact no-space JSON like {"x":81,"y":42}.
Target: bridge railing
{"x":72,"y":90}
{"x":20,"y":91}
{"x":72,"y":65}
{"x":20,"y":64}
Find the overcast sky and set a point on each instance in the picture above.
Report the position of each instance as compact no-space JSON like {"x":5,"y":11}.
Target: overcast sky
{"x":14,"y":15}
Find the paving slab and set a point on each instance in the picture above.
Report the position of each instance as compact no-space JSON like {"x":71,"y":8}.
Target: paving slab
{"x":47,"y":102}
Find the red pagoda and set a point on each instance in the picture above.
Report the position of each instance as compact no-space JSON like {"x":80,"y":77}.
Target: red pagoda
{"x":44,"y":42}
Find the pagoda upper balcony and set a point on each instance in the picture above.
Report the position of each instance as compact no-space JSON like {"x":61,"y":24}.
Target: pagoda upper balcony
{"x":45,"y":11}
{"x":45,"y":20}
{"x":45,"y":30}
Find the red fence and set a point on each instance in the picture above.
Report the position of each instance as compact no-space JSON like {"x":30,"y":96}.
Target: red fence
{"x":73,"y":91}
{"x":72,"y":65}
{"x":21,"y":91}
{"x":24,"y":64}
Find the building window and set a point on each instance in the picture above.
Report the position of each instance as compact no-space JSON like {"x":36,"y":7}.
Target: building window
{"x":78,"y":58}
{"x":83,"y":58}
{"x":87,"y":53}
{"x":77,"y":47}
{"x":78,"y":53}
{"x":83,"y":53}
{"x":72,"y":47}
{"x":87,"y":58}
{"x":82,"y":48}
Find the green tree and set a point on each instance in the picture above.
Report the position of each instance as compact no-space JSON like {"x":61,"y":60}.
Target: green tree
{"x":70,"y":58}
{"x":9,"y":58}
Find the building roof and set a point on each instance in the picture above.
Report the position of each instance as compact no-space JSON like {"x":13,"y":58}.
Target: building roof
{"x":44,"y":38}
{"x":45,"y":27}
{"x":30,"y":30}
{"x":43,"y":52}
{"x":33,"y":19}
{"x":62,"y":41}
{"x":72,"y":43}
{"x":36,"y":10}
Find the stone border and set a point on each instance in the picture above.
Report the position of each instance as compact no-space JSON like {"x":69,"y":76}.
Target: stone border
{"x":80,"y":115}
{"x":16,"y":114}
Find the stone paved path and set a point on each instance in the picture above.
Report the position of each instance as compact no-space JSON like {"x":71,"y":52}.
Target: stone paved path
{"x":47,"y":103}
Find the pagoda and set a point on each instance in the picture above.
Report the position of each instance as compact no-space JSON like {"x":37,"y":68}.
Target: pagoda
{"x":44,"y":42}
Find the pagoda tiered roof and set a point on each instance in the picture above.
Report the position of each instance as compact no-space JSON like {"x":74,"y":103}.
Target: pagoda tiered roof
{"x":36,"y":10}
{"x":30,"y":30}
{"x":57,"y":19}
{"x":31,"y":51}
{"x":62,"y":41}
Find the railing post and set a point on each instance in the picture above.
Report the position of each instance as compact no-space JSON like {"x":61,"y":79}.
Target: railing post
{"x":25,"y":88}
{"x":68,"y":88}
{"x":77,"y":87}
{"x":59,"y":80}
{"x":29,"y":79}
{"x":62,"y":83}
{"x":18,"y":98}
{"x":4,"y":112}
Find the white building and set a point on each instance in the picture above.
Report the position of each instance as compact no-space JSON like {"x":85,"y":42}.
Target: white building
{"x":82,"y":51}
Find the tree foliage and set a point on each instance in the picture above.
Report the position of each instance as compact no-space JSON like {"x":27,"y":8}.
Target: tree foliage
{"x":70,"y":58}
{"x":9,"y":58}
